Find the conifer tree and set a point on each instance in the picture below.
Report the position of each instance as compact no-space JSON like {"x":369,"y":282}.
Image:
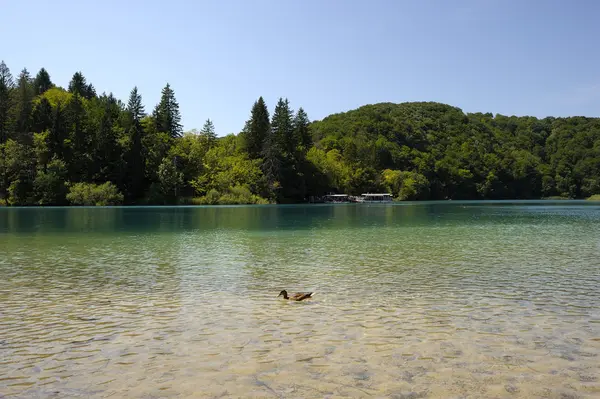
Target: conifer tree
{"x":106,"y":164}
{"x":301,"y":132}
{"x":42,"y":82}
{"x":167,"y":114}
{"x":276,"y":155}
{"x":208,"y":131}
{"x":282,"y":127}
{"x":76,"y":126}
{"x":24,"y":104}
{"x":6,"y":88}
{"x":42,"y":115}
{"x":57,"y":132}
{"x":78,"y":85}
{"x":90,"y":91}
{"x":257,"y":129}
{"x":135,"y":157}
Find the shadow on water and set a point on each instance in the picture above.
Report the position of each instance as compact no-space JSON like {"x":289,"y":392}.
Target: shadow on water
{"x":170,"y":219}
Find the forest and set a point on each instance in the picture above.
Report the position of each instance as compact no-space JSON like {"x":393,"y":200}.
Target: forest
{"x":73,"y":146}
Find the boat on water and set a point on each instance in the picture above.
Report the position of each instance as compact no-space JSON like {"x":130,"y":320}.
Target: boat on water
{"x":363,"y":198}
{"x":375,"y":197}
{"x":337,"y":198}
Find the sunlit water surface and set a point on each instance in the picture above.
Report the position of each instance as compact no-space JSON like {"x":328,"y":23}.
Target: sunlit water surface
{"x":430,"y":300}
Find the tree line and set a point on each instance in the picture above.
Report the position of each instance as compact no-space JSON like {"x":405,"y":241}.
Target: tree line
{"x":73,"y":146}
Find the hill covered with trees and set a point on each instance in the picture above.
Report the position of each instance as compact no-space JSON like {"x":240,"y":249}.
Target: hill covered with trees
{"x":72,"y":146}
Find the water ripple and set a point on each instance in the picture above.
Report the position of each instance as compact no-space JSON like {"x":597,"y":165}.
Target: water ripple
{"x":419,"y":301}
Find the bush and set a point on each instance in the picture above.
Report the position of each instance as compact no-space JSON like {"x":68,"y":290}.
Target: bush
{"x":49,"y":186}
{"x":94,"y":195}
{"x":238,"y":195}
{"x":595,"y":197}
{"x":406,"y":186}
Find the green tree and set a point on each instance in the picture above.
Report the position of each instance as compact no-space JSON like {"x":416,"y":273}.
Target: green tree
{"x":49,"y":184}
{"x":282,"y":128}
{"x":42,"y":82}
{"x":170,"y":179}
{"x":58,"y":132}
{"x":208,"y":132}
{"x":6,"y":88}
{"x":135,"y":159}
{"x":77,"y":146}
{"x":24,"y":105}
{"x":42,"y":115}
{"x":301,"y":129}
{"x":257,"y":130}
{"x":17,"y":171}
{"x":167,"y":114}
{"x":78,"y":84}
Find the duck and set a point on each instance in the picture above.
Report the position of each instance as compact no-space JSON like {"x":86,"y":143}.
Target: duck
{"x":298,"y":296}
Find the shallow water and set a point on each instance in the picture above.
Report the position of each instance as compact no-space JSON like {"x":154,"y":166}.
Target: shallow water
{"x":428,"y":300}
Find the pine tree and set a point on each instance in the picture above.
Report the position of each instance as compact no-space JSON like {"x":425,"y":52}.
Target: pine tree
{"x":257,"y":129}
{"x":42,"y":82}
{"x":106,"y":163}
{"x":6,"y":88}
{"x":58,"y":133}
{"x":276,"y":155}
{"x":285,"y":135}
{"x":271,"y":166}
{"x":24,"y":105}
{"x":75,"y":118}
{"x":90,"y":91}
{"x":208,"y":131}
{"x":282,"y":127}
{"x":42,"y":115}
{"x":135,"y":157}
{"x":78,"y":84}
{"x":301,"y":132}
{"x":167,"y":114}
{"x":298,"y":186}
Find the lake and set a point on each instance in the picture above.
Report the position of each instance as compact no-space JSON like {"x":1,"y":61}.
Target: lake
{"x":413,"y":300}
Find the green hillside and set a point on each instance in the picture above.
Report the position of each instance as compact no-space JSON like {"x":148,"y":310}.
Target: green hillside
{"x":431,"y":150}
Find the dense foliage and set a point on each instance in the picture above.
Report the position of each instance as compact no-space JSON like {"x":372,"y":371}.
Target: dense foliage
{"x":72,"y":146}
{"x":435,"y":151}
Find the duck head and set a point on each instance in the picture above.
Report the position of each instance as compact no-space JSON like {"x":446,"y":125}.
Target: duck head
{"x":284,"y":293}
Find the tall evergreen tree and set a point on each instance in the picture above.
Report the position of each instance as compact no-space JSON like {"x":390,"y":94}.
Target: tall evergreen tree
{"x":257,"y":129}
{"x":277,"y":159}
{"x":42,"y":115}
{"x":6,"y":88}
{"x":208,"y":131}
{"x":58,"y":133}
{"x":42,"y":82}
{"x":284,"y":132}
{"x":24,"y":105}
{"x":78,"y":84}
{"x":107,"y":165}
{"x":167,"y":114}
{"x":282,"y":127}
{"x":301,"y":132}
{"x":135,"y":157}
{"x":271,"y":166}
{"x":90,"y":91}
{"x":76,"y":122}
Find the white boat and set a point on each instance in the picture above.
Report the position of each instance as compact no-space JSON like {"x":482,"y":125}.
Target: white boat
{"x":375,"y":197}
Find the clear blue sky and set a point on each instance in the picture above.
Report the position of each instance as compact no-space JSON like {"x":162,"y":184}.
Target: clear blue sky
{"x":503,"y":56}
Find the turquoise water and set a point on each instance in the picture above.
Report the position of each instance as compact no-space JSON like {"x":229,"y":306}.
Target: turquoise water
{"x":447,"y":299}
